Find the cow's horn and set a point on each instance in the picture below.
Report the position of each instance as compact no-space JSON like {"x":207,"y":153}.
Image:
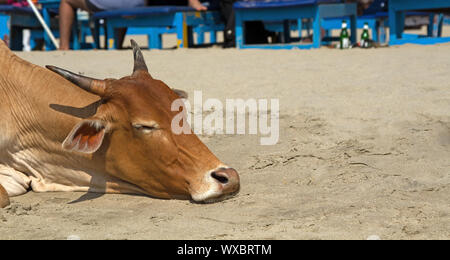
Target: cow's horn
{"x":94,"y":86}
{"x":139,"y":62}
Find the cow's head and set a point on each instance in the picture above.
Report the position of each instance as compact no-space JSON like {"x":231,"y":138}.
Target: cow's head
{"x":132,"y":130}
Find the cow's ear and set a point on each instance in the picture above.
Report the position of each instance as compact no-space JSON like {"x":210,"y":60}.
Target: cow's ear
{"x":86,"y":137}
{"x":180,"y":93}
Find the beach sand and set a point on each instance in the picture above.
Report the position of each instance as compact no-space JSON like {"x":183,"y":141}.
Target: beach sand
{"x":364,"y":149}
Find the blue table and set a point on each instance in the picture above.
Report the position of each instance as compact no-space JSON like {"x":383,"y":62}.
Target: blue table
{"x":285,"y":10}
{"x":397,"y":9}
{"x":24,"y":18}
{"x":19,"y":18}
{"x":80,"y":27}
{"x":47,"y":7}
{"x":378,"y":22}
{"x":375,"y":22}
{"x":181,"y":18}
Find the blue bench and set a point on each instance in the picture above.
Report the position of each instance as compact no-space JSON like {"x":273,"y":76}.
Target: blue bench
{"x":19,"y":18}
{"x":181,"y":19}
{"x":201,"y":30}
{"x":285,"y":10}
{"x":5,"y":32}
{"x":15,"y":9}
{"x":375,"y":16}
{"x":80,"y":27}
{"x":24,"y":18}
{"x":397,"y":10}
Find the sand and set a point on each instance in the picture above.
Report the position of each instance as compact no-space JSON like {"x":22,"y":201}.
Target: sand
{"x":363,"y":152}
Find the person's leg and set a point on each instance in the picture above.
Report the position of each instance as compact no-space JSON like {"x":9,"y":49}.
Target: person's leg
{"x":67,"y":10}
{"x":196,"y":4}
{"x":121,"y":33}
{"x":254,"y":30}
{"x":226,"y":9}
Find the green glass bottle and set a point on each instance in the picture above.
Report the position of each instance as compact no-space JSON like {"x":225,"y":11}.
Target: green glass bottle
{"x":365,"y":39}
{"x":345,"y":39}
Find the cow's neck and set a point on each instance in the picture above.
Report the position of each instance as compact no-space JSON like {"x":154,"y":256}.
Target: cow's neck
{"x":38,"y":110}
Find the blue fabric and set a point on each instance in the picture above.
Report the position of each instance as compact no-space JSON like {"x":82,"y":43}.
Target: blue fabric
{"x":386,"y":15}
{"x":9,"y":9}
{"x":152,"y":10}
{"x":253,"y":4}
{"x":142,"y":11}
{"x":15,"y":9}
{"x":117,"y":4}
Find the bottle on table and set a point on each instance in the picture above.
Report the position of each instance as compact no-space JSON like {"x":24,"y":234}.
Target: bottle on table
{"x":344,"y":37}
{"x":365,"y":38}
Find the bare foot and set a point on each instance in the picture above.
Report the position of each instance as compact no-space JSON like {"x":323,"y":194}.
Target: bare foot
{"x":197,"y":5}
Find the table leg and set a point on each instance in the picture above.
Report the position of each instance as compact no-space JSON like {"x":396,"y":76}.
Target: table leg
{"x":239,"y":31}
{"x":16,"y":38}
{"x":353,"y":28}
{"x":317,"y":35}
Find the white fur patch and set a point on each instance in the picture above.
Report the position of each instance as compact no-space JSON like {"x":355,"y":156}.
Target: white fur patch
{"x":210,"y":194}
{"x":14,"y":182}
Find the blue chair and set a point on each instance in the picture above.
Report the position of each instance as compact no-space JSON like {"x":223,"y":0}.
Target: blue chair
{"x":154,"y":34}
{"x":287,"y":10}
{"x":23,"y":18}
{"x":19,"y":18}
{"x":375,"y":16}
{"x":80,"y":28}
{"x":179,"y":19}
{"x":4,"y":25}
{"x":397,"y":11}
{"x":212,"y":29}
{"x":4,"y":31}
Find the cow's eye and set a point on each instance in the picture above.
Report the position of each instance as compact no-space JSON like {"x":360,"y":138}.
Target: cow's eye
{"x":146,"y":128}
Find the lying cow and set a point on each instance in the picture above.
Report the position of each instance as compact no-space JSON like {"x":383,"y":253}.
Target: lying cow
{"x":104,"y":136}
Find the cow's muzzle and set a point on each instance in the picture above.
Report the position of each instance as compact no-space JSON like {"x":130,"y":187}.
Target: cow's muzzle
{"x":228,"y":179}
{"x":222,"y":183}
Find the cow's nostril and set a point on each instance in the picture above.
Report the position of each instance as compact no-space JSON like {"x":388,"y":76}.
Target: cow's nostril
{"x":222,"y":179}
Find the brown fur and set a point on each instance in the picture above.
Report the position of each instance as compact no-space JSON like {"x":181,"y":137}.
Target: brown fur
{"x":4,"y":198}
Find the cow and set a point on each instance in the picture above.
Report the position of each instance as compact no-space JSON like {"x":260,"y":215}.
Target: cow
{"x":61,"y":131}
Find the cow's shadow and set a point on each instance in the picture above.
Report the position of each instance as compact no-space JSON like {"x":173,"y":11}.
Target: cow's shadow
{"x":86,"y":197}
{"x":82,"y":112}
